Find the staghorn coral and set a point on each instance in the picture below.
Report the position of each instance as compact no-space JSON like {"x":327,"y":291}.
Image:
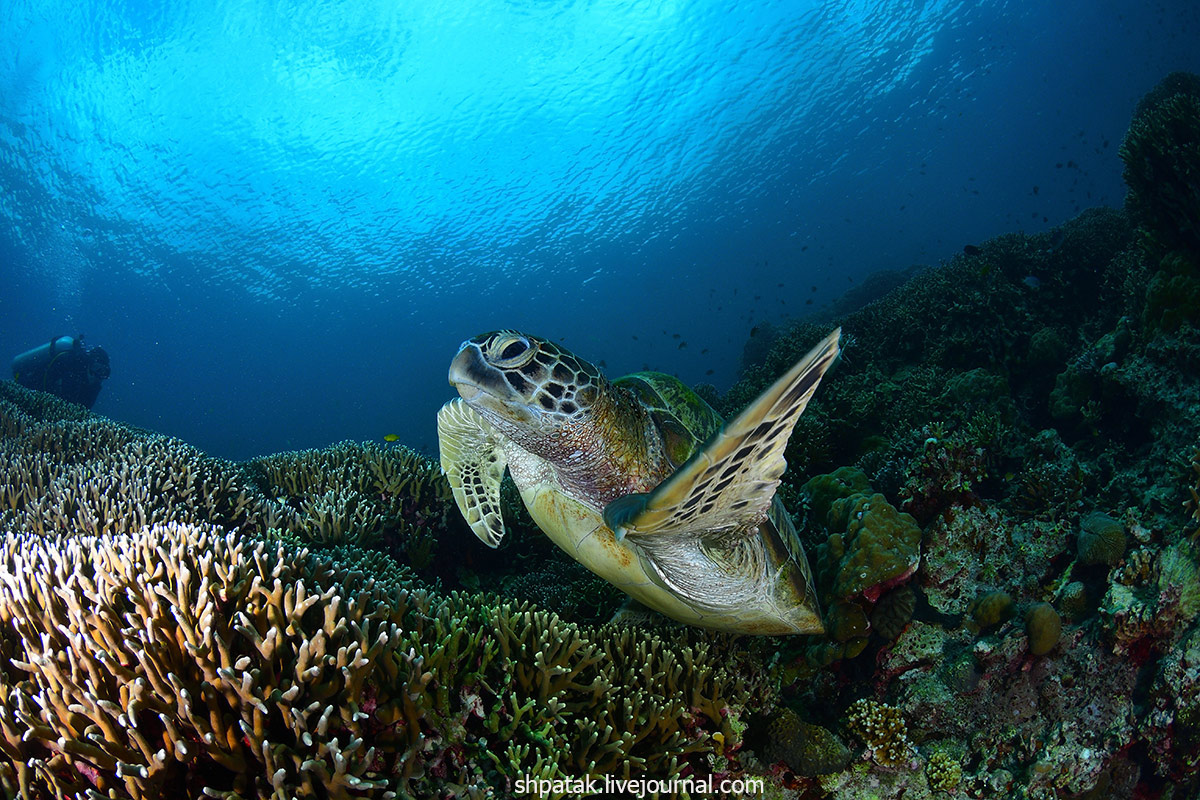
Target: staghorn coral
{"x":182,"y":660}
{"x":562,"y":585}
{"x":91,"y":476}
{"x":360,"y":493}
{"x":73,"y":472}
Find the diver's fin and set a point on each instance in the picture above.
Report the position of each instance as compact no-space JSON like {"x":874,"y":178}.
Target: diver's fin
{"x":474,"y":464}
{"x":727,"y":485}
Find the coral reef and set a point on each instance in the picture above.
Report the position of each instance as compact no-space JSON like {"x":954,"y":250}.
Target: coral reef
{"x":356,"y":493}
{"x":1035,"y":406}
{"x":999,"y":486}
{"x":80,"y":474}
{"x":182,"y":659}
{"x":167,"y":632}
{"x":1161,"y":152}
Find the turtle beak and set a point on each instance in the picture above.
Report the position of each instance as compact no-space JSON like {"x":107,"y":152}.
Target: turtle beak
{"x":469,"y":372}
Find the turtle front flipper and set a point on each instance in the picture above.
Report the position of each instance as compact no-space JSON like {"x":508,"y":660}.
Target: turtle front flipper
{"x":474,"y":464}
{"x":730,"y":481}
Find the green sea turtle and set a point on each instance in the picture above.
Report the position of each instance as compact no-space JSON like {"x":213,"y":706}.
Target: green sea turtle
{"x":637,"y":479}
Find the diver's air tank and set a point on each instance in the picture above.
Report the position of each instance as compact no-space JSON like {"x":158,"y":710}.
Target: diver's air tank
{"x":37,"y":359}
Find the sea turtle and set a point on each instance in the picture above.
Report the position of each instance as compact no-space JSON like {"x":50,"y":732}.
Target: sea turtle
{"x":637,"y":478}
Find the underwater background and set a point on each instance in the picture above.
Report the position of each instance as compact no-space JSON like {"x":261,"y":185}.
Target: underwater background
{"x":243,"y":573}
{"x":280,"y":220}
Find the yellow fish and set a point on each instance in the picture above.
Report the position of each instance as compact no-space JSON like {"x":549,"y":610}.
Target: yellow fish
{"x":391,"y":437}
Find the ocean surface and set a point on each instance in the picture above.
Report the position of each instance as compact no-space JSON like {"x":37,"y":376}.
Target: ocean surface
{"x":280,"y":219}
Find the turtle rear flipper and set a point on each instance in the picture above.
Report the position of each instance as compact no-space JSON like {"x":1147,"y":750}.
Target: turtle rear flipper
{"x":731,"y":480}
{"x":474,"y":464}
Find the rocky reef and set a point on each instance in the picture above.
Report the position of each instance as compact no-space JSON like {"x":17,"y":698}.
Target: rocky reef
{"x":999,"y":489}
{"x":1032,"y":410}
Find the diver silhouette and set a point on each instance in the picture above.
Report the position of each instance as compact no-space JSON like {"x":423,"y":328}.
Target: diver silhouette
{"x":65,"y":368}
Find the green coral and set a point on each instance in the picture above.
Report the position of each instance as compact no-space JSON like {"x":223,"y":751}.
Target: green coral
{"x":943,"y":771}
{"x":1043,"y":625}
{"x":879,"y":546}
{"x":824,"y":490}
{"x":882,"y":729}
{"x":1101,"y":540}
{"x":806,"y":748}
{"x":260,"y":670}
{"x":1173,"y":295}
{"x":991,"y":609}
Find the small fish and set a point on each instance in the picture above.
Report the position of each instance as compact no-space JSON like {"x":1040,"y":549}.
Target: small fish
{"x":814,"y":288}
{"x":1032,"y":281}
{"x":972,"y":250}
{"x":682,"y":345}
{"x":391,"y":437}
{"x":603,"y":363}
{"x":704,"y":352}
{"x":674,"y":335}
{"x":808,"y":302}
{"x":710,"y":372}
{"x":754,"y":331}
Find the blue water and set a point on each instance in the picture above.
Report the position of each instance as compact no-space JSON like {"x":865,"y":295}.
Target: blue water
{"x":281,"y":219}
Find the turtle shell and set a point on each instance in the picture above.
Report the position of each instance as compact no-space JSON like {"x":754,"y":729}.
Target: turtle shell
{"x":683,"y":418}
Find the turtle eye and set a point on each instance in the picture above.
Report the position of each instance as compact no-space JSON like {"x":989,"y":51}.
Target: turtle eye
{"x":510,"y":351}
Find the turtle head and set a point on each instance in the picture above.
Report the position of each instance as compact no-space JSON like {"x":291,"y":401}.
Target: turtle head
{"x":524,"y":381}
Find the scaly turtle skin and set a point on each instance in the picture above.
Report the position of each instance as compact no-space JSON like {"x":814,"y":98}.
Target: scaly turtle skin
{"x":637,"y":479}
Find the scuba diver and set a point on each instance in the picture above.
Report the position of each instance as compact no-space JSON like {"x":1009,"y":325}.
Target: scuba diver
{"x":65,"y":368}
